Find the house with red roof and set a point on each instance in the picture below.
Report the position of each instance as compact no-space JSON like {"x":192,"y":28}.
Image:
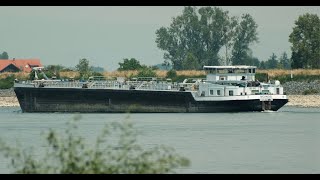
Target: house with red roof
{"x":17,"y":65}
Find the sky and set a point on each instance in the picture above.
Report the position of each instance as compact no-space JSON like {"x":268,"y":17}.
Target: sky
{"x":105,"y":35}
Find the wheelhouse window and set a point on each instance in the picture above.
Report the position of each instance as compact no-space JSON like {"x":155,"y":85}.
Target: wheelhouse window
{"x":218,"y":92}
{"x":230,"y":93}
{"x":211,"y":92}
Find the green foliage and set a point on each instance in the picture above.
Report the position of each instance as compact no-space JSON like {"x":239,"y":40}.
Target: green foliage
{"x":305,"y":39}
{"x":245,"y":34}
{"x":203,"y":32}
{"x":166,"y":65}
{"x":262,"y":65}
{"x":262,"y":77}
{"x":272,"y":62}
{"x":84,"y":69}
{"x":50,"y":73}
{"x":129,"y":64}
{"x":54,"y":70}
{"x":68,"y":69}
{"x":310,"y":91}
{"x":146,"y":72}
{"x":7,"y":82}
{"x":171,"y":74}
{"x":154,"y":67}
{"x":285,"y":62}
{"x":191,"y":62}
{"x":97,"y":69}
{"x":4,"y":55}
{"x":114,"y":151}
{"x":96,"y":74}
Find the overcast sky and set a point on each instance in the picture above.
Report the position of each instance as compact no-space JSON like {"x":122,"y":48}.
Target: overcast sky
{"x":106,"y":35}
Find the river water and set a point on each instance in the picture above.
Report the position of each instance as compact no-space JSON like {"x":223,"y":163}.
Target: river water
{"x":287,"y":141}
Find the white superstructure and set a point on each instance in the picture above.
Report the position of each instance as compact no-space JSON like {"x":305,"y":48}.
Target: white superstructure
{"x":236,"y":81}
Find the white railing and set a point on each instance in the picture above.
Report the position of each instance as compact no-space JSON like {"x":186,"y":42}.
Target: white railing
{"x":107,"y":84}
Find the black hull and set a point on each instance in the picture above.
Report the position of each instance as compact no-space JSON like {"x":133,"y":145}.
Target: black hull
{"x":134,"y":101}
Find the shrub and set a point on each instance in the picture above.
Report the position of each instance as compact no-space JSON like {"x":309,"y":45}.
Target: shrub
{"x":115,"y":151}
{"x":146,"y":72}
{"x":171,"y":74}
{"x":262,"y":77}
{"x":7,"y":82}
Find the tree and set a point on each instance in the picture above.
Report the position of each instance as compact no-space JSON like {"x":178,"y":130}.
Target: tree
{"x":253,"y":61}
{"x":285,"y":61}
{"x":272,"y":62}
{"x":245,"y":35}
{"x":201,"y":33}
{"x":129,"y":64}
{"x":262,"y":65}
{"x":305,"y":39}
{"x":166,"y":64}
{"x":230,"y":31}
{"x":191,"y":62}
{"x":83,"y":68}
{"x":115,"y":151}
{"x":4,"y":55}
{"x":297,"y":60}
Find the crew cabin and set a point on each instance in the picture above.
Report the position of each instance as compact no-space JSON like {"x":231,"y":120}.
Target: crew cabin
{"x":235,"y":81}
{"x":227,"y":80}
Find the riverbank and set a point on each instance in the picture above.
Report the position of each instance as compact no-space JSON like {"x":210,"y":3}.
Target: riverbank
{"x":8,"y":99}
{"x":304,"y":100}
{"x":9,"y":102}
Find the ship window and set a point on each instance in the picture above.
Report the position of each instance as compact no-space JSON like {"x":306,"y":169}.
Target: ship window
{"x":218,"y":92}
{"x":230,"y":93}
{"x":253,"y":70}
{"x":202,"y":93}
{"x":249,"y":70}
{"x":278,"y":90}
{"x":211,"y":92}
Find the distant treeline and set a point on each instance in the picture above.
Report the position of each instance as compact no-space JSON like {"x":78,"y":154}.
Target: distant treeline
{"x":4,"y":55}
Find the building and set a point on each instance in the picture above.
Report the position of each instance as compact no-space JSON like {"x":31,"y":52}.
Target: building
{"x":17,"y":65}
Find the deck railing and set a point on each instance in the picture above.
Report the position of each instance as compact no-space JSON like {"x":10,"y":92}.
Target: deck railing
{"x":106,"y":84}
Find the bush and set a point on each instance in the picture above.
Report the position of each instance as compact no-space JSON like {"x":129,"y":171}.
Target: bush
{"x":115,"y":151}
{"x":146,"y":72}
{"x":97,"y":74}
{"x":172,"y":74}
{"x":7,"y":82}
{"x":262,"y":77}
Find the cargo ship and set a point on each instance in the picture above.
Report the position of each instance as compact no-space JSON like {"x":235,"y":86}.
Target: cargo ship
{"x":225,"y":89}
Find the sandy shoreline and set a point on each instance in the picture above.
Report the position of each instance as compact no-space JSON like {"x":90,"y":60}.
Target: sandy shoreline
{"x":9,"y":102}
{"x":294,"y":100}
{"x":304,"y":100}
